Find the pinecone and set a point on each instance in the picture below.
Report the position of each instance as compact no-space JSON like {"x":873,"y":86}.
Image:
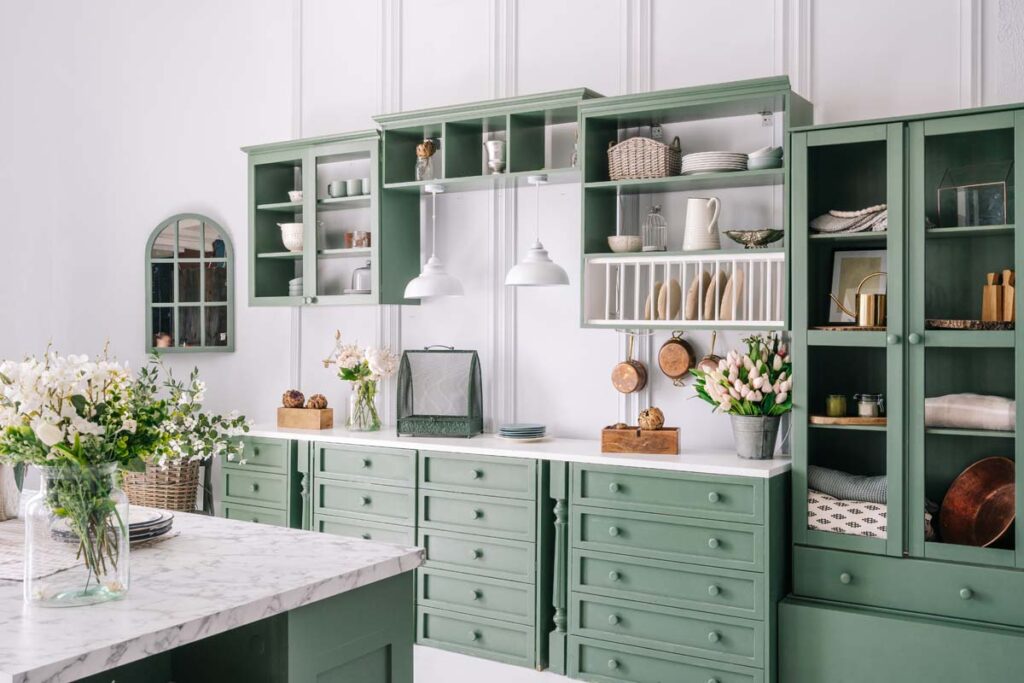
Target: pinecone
{"x":317,"y":402}
{"x":293,"y":398}
{"x":652,"y":418}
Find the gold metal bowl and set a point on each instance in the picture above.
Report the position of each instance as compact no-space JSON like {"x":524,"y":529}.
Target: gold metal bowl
{"x":755,"y":239}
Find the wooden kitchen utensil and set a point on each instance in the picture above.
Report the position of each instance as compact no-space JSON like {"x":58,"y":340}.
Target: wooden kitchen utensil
{"x":1009,"y":282}
{"x":676,"y":358}
{"x":992,"y":298}
{"x":630,"y":375}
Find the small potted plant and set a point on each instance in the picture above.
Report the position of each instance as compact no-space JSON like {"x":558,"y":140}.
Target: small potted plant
{"x":755,"y":388}
{"x":364,"y":368}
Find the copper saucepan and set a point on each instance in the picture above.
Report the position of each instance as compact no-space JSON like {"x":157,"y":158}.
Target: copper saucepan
{"x":979,"y":507}
{"x":630,"y":375}
{"x":676,"y":358}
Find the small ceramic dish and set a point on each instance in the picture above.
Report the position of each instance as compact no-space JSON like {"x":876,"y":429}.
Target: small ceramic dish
{"x":295,"y":195}
{"x":762,"y":163}
{"x":624,"y":243}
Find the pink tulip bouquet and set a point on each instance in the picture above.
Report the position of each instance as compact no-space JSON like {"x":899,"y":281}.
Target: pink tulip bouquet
{"x":758,"y":382}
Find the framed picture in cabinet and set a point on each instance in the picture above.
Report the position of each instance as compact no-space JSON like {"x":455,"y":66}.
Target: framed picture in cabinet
{"x":849,"y":270}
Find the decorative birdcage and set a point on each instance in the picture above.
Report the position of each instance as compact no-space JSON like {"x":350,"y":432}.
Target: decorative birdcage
{"x":440,"y":393}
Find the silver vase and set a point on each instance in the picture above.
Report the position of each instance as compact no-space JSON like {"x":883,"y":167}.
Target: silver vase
{"x":755,"y":435}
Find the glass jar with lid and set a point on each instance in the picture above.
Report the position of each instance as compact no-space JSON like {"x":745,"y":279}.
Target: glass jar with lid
{"x":654,"y":231}
{"x":362,"y":279}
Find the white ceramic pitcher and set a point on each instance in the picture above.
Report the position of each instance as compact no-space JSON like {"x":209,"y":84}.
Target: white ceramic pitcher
{"x":701,"y":229}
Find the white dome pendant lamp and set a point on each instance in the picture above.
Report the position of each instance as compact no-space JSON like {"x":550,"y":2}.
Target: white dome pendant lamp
{"x":434,"y":280}
{"x":536,"y":269}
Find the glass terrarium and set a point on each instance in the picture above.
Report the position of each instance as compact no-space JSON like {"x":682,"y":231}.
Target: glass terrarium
{"x":980,"y":194}
{"x":440,"y":393}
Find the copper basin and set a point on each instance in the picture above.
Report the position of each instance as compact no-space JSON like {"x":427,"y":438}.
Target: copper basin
{"x":980,"y":506}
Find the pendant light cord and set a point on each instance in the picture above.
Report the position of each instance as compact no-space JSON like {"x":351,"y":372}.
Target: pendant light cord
{"x":433,"y":224}
{"x":536,"y":216}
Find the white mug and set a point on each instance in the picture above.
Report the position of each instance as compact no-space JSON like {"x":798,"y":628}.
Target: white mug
{"x":701,"y":229}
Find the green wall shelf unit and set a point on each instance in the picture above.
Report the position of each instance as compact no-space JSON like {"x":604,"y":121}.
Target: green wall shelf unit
{"x":738,"y":116}
{"x":311,"y":165}
{"x":908,"y":583}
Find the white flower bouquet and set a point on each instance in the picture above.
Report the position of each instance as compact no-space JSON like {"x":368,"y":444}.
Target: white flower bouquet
{"x":364,"y":367}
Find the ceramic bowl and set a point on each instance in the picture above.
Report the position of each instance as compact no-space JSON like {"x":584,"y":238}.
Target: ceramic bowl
{"x":762,"y":163}
{"x":624,"y":243}
{"x":295,"y":195}
{"x":766,"y":152}
{"x":291,"y":236}
{"x":755,"y":239}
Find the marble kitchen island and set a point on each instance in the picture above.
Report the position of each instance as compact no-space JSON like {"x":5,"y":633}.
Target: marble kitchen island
{"x":229,"y":601}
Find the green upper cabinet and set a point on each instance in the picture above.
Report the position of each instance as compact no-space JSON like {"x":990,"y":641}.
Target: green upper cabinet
{"x":325,"y":245}
{"x":711,"y":282}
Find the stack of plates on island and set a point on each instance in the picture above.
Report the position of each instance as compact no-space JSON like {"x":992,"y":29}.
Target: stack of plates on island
{"x":714,"y":162}
{"x":522,"y":432}
{"x":145,"y":524}
{"x":295,"y":287}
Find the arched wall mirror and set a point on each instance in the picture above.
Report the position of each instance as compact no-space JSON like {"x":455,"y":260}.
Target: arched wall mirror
{"x":189,"y":286}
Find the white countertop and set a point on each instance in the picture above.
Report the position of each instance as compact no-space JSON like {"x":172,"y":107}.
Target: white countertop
{"x":569,"y":450}
{"x":218,"y":574}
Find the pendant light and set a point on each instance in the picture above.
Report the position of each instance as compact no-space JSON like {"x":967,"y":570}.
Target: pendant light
{"x":537,"y":269}
{"x":434,"y":280}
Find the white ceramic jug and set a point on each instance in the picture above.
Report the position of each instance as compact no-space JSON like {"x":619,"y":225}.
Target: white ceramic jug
{"x":701,"y":230}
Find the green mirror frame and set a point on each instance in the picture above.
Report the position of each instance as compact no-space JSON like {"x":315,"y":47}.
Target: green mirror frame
{"x":202,"y":262}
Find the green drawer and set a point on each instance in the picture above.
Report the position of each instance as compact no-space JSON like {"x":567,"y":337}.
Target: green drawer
{"x":730,"y":499}
{"x":361,"y":528}
{"x":393,"y":466}
{"x":963,"y":591}
{"x":504,"y":517}
{"x":679,"y":539}
{"x":515,"y":560}
{"x":393,"y":504}
{"x":251,"y":513}
{"x":828,"y":643}
{"x":479,"y":595}
{"x":593,"y":660}
{"x":687,"y":586}
{"x":259,"y":488}
{"x":489,"y":638}
{"x":724,"y":639}
{"x":264,"y":455}
{"x":511,"y":477}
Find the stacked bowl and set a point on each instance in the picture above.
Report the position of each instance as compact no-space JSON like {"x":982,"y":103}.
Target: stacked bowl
{"x":765,"y":158}
{"x":295,"y":287}
{"x":522,"y":432}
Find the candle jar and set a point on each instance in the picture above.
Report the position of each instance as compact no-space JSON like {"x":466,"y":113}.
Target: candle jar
{"x":835,"y":405}
{"x":869,"y":405}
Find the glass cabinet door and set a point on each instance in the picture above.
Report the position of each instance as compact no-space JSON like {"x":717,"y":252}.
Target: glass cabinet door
{"x":963,"y":373}
{"x":847,"y":208}
{"x":276,"y":228}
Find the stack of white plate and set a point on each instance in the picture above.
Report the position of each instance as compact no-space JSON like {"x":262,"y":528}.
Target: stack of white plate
{"x":295,"y":287}
{"x":522,"y":432}
{"x":146,"y":524}
{"x":714,"y":162}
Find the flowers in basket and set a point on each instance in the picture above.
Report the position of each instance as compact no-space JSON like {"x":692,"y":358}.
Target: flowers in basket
{"x":364,"y":367}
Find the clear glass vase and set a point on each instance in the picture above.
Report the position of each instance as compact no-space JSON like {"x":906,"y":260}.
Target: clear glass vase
{"x":76,"y":537}
{"x":363,"y":415}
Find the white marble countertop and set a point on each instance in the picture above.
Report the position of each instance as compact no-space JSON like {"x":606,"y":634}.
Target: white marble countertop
{"x":570,"y":450}
{"x":218,"y":574}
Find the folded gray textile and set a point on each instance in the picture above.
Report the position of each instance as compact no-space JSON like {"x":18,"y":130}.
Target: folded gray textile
{"x":847,"y":486}
{"x":971,"y":411}
{"x":877,"y":221}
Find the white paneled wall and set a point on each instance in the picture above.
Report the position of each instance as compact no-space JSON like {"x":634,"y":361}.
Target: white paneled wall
{"x":129,"y":113}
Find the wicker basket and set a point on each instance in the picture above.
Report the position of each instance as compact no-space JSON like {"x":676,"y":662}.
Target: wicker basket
{"x":643,"y":158}
{"x":172,"y":488}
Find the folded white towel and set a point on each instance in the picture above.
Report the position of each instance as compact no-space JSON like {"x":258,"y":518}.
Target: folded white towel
{"x":971,"y":411}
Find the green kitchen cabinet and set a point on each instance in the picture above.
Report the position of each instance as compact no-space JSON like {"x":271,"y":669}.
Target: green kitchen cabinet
{"x":328,"y":254}
{"x":271,"y":487}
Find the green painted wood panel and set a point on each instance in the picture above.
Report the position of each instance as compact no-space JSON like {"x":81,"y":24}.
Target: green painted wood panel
{"x":499,"y":558}
{"x":475,"y":595}
{"x":824,"y":642}
{"x":254,"y":513}
{"x":485,"y":515}
{"x":692,"y":495}
{"x":375,"y":502}
{"x":602,"y":662}
{"x":394,"y":466}
{"x":558,"y":493}
{"x":262,"y":455}
{"x":686,"y":586}
{"x":698,"y":634}
{"x":720,"y":544}
{"x":256,"y":488}
{"x":501,"y":641}
{"x":506,"y":477}
{"x":364,"y":529}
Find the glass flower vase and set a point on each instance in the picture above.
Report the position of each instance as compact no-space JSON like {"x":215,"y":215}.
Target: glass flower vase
{"x":76,"y":537}
{"x":363,"y":415}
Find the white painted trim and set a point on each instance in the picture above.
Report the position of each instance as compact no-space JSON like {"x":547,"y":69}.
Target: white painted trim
{"x":295,"y":319}
{"x":799,"y":46}
{"x":636,"y":46}
{"x":970,"y":53}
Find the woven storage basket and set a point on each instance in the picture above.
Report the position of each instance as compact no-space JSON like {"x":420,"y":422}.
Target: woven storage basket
{"x":643,"y":158}
{"x":173,"y":488}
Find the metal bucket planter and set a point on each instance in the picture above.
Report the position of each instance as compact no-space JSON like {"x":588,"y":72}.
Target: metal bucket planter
{"x":755,"y":435}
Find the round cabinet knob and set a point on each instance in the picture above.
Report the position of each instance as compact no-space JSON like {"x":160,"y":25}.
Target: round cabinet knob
{"x":476,"y":595}
{"x":892,"y":339}
{"x":476,"y":474}
{"x":614,"y":576}
{"x":614,"y":487}
{"x":714,"y":637}
{"x":613,"y":531}
{"x":966,"y":594}
{"x":255,"y":520}
{"x":365,"y":463}
{"x":256,"y":452}
{"x":613,"y":619}
{"x":364,"y":500}
{"x":914,"y":338}
{"x":846,"y":578}
{"x":254,"y":487}
{"x":713,"y":497}
{"x":613,"y":664}
{"x":308,"y":300}
{"x":713,"y":542}
{"x":474,"y":635}
{"x":478,"y":513}
{"x":366,"y":536}
{"x":476,"y":554}
{"x":714,"y":590}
